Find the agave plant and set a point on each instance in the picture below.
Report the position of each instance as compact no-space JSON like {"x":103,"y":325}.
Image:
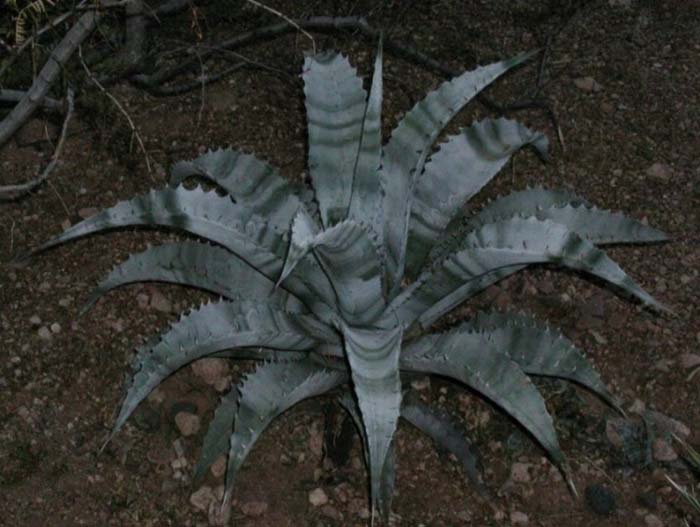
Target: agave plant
{"x":336,"y":291}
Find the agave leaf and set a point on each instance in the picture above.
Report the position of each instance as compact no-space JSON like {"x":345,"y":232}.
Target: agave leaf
{"x":388,"y":476}
{"x":250,"y":181}
{"x":471,"y":359}
{"x":520,"y":203}
{"x":496,"y":250}
{"x":455,"y":173}
{"x":409,"y":147}
{"x":197,"y":265}
{"x":447,"y":435}
{"x":349,"y":258}
{"x":366,"y":198}
{"x":215,"y":218}
{"x":212,"y":328}
{"x":539,"y":350}
{"x":599,"y":226}
{"x":335,"y":108}
{"x":374,"y":357}
{"x":266,"y":393}
{"x":216,"y":441}
{"x":525,"y":203}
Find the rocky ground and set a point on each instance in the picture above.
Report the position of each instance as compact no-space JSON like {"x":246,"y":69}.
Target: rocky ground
{"x":623,"y":79}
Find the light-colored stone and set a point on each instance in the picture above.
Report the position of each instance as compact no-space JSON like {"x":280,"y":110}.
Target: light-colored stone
{"x":188,"y":424}
{"x":316,"y":440}
{"x":520,"y":472}
{"x":55,"y":328}
{"x":663,"y":451}
{"x":318,"y":497}
{"x":218,"y":467}
{"x":421,"y":384}
{"x":519,"y":518}
{"x":668,"y":424}
{"x":587,"y":84}
{"x":159,"y":302}
{"x":690,"y":360}
{"x":254,"y":509}
{"x":202,"y":498}
{"x":87,"y":212}
{"x":142,"y":300}
{"x":44,"y":333}
{"x":210,"y":370}
{"x":660,"y":171}
{"x":651,"y":520}
{"x":35,"y":320}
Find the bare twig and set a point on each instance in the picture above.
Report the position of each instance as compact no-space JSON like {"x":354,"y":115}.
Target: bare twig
{"x":119,"y":107}
{"x":11,"y":192}
{"x":168,"y":91}
{"x":288,"y":20}
{"x":324,"y":23}
{"x":17,"y":95}
{"x":48,"y":74}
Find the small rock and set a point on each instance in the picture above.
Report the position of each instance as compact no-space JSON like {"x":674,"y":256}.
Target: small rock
{"x":667,"y":424}
{"x":600,"y":499}
{"x":331,"y":512}
{"x":160,"y":303}
{"x":518,"y":518}
{"x":142,"y":300}
{"x":210,"y":370}
{"x":55,"y":328}
{"x":651,"y":520}
{"x":44,"y":333}
{"x":637,"y":407}
{"x":663,"y":451}
{"x":34,"y":320}
{"x":661,"y":286}
{"x":318,"y":497}
{"x":218,"y":467}
{"x":65,"y":224}
{"x":87,"y":212}
{"x":520,"y":472}
{"x":660,"y":171}
{"x":254,"y":509}
{"x":690,"y":360}
{"x":421,"y":384}
{"x":316,"y":440}
{"x":201,"y":499}
{"x":587,"y":84}
{"x":188,"y":424}
{"x":600,"y":339}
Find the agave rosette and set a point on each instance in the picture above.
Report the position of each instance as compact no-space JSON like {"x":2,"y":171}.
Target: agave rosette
{"x":338,"y":293}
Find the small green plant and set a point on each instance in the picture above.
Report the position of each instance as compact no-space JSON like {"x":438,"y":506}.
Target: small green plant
{"x":337,"y":294}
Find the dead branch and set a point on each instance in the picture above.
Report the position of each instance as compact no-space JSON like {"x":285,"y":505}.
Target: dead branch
{"x":12,"y":192}
{"x":324,"y":24}
{"x":40,"y":87}
{"x":15,"y":96}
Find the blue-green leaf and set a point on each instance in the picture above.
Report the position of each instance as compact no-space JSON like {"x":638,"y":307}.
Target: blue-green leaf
{"x":366,"y":198}
{"x":350,"y":260}
{"x":463,"y":165}
{"x":198,"y":265}
{"x":335,"y":108}
{"x":470,"y":358}
{"x":374,"y":363}
{"x":494,"y":251}
{"x":409,"y":147}
{"x":252,"y":182}
{"x":212,"y":328}
{"x":266,"y":393}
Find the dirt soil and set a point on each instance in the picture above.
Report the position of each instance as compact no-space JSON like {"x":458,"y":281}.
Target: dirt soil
{"x":622,"y":77}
